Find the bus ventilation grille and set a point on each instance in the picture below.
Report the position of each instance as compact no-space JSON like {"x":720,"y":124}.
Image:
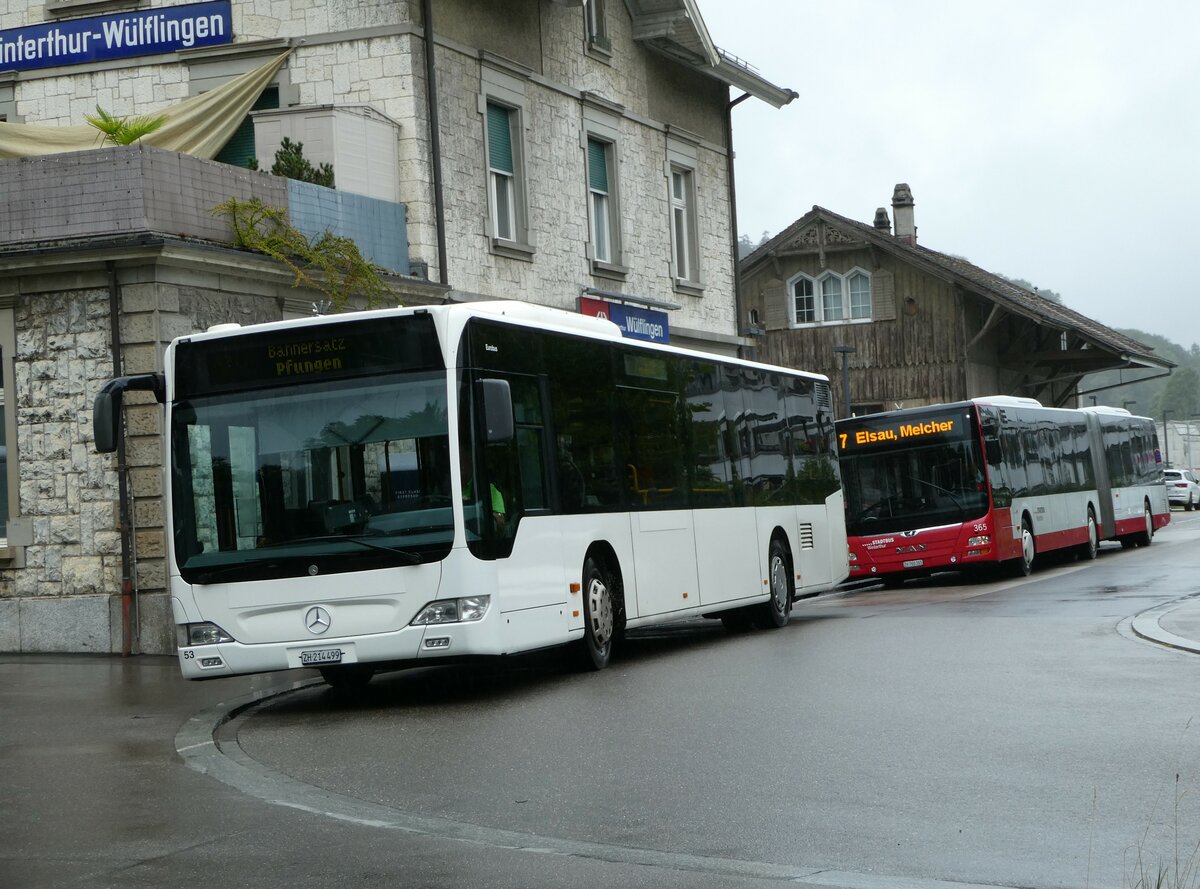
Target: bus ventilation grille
{"x":824,"y":399}
{"x":806,"y":537}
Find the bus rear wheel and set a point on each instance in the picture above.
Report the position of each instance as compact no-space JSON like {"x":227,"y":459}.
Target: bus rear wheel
{"x":777,"y":610}
{"x":599,"y":615}
{"x":1146,"y":536}
{"x":1091,"y":548}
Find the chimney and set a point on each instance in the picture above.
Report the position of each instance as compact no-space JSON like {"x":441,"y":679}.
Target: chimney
{"x":902,"y":209}
{"x":882,"y":223}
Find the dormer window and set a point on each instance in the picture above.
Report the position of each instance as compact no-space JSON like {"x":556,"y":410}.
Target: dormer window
{"x":830,"y":298}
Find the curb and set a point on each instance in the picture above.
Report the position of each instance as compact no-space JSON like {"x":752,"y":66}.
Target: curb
{"x":1146,"y":626}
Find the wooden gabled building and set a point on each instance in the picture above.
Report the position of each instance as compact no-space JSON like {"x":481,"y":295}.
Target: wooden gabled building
{"x":925,"y":327}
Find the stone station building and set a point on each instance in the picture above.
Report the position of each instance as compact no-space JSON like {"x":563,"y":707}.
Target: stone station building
{"x":543,"y":151}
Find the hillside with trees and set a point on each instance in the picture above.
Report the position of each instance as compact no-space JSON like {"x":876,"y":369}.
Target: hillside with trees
{"x":1150,"y":392}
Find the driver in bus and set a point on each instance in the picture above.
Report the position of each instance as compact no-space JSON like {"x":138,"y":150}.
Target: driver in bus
{"x":468,"y":490}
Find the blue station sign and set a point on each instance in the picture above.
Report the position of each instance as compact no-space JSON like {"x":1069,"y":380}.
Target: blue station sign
{"x":117,"y":36}
{"x":635,"y":322}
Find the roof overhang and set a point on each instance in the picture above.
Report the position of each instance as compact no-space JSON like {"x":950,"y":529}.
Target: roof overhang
{"x":675,"y":29}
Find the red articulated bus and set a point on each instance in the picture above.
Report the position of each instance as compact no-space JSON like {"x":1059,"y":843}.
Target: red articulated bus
{"x":991,"y":480}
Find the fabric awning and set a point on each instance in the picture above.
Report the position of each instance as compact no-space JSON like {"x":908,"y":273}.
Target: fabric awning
{"x":199,"y":126}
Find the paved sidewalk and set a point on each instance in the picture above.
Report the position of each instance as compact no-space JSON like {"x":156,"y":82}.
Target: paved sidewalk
{"x":1176,"y":624}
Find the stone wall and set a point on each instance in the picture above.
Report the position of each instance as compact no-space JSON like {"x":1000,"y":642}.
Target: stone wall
{"x":63,"y":592}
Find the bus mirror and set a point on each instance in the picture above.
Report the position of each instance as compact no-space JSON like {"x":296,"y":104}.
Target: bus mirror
{"x":991,"y":449}
{"x":106,"y":411}
{"x":497,"y":410}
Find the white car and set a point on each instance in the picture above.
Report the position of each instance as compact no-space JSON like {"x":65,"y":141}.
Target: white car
{"x":1182,"y":487}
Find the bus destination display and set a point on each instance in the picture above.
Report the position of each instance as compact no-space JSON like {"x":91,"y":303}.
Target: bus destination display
{"x":895,"y":432}
{"x":292,"y":356}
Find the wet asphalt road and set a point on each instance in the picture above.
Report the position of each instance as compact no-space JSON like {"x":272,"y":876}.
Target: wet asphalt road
{"x":1006,"y":733}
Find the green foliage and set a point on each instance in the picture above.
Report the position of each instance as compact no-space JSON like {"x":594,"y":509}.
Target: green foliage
{"x":1150,"y":395}
{"x":291,"y":163}
{"x":1180,"y":870}
{"x":330,"y":263}
{"x":1045,"y":293}
{"x":124,"y":130}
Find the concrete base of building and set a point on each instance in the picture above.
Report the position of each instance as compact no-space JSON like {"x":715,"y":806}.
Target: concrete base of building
{"x":85,"y":624}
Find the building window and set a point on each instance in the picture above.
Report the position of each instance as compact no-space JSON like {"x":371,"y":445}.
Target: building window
{"x":502,"y":172}
{"x":806,"y":308}
{"x":600,"y":209}
{"x":597,"y":31}
{"x":9,"y":480}
{"x":831,"y":298}
{"x":842,"y":298}
{"x":683,"y":226}
{"x":239,"y":151}
{"x":860,"y":295}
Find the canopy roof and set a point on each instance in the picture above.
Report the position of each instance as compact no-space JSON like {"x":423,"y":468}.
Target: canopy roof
{"x":199,"y":126}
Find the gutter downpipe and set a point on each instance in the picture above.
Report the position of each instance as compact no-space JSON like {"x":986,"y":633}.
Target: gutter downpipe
{"x":435,"y":143}
{"x":733,"y":226}
{"x":124,"y":523}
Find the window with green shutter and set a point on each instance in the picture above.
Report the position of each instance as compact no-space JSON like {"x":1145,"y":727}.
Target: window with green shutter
{"x":239,"y":150}
{"x":501,"y":172}
{"x":600,"y":206}
{"x":500,"y":150}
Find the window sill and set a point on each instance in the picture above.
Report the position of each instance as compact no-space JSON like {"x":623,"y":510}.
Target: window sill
{"x":609,"y":270}
{"x":512,"y":249}
{"x":808,"y":325}
{"x":56,"y":8}
{"x":690,"y":288}
{"x":599,"y":48}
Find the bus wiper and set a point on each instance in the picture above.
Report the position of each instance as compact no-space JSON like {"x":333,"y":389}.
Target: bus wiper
{"x":409,"y":556}
{"x":939,"y":489}
{"x":209,"y":575}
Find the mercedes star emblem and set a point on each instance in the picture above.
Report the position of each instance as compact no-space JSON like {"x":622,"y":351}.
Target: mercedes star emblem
{"x":317,"y":620}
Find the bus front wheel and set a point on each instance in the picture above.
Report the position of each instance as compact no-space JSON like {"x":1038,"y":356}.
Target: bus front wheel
{"x":1024,"y":562}
{"x":599,"y":614}
{"x":349,"y":677}
{"x":777,"y":610}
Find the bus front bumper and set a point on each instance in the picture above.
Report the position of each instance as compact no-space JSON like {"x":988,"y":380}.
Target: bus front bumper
{"x":410,"y":644}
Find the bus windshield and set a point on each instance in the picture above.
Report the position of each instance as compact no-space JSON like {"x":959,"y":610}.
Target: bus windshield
{"x":318,"y":478}
{"x":920,"y":473}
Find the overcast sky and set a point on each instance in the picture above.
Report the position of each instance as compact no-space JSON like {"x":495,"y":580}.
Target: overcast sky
{"x":1051,"y":141}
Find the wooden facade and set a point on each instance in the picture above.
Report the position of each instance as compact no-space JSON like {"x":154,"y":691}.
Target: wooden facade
{"x":936,"y":328}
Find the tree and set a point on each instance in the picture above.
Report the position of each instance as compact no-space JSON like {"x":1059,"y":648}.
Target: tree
{"x":746,"y":246}
{"x":1045,"y":293}
{"x":291,"y":163}
{"x":1181,"y":395}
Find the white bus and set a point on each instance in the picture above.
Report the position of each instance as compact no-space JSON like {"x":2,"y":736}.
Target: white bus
{"x":417,"y":485}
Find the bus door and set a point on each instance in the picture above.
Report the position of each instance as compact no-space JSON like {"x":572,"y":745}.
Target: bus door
{"x":654,"y":440}
{"x":507,"y":491}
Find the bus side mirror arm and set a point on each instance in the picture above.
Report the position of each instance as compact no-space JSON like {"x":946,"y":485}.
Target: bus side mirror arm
{"x":106,"y":412}
{"x":497,"y":410}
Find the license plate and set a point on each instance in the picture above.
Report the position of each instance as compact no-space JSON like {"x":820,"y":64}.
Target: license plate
{"x":321,"y":656}
{"x":914,"y":563}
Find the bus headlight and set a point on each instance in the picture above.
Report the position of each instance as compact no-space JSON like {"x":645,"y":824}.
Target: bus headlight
{"x":206,"y":634}
{"x":453,"y":611}
{"x":851,"y":556}
{"x":979,"y":541}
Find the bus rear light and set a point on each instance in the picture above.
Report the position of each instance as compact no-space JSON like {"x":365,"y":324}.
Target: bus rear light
{"x":979,"y":541}
{"x":453,"y":611}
